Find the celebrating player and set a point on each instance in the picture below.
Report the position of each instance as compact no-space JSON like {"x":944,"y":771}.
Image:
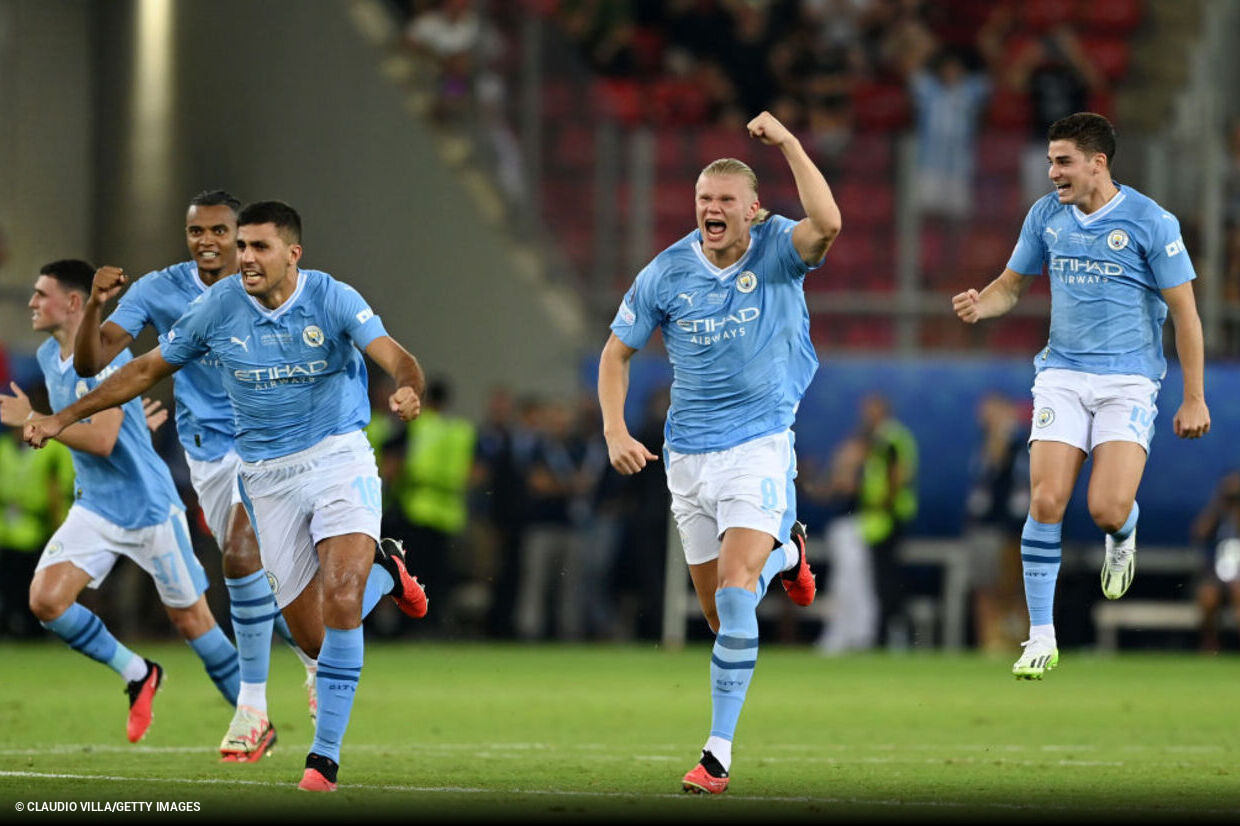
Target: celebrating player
{"x":126,"y":505}
{"x":287,"y":341}
{"x":205,"y":429}
{"x":729,"y":299}
{"x":1116,"y":263}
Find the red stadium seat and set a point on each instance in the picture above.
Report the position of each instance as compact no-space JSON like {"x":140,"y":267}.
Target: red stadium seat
{"x":620,"y":99}
{"x":1114,"y":17}
{"x":1009,"y":110}
{"x":574,"y":147}
{"x":866,"y":206}
{"x":881,"y":107}
{"x":713,"y":143}
{"x":1110,"y":54}
{"x":1045,"y":14}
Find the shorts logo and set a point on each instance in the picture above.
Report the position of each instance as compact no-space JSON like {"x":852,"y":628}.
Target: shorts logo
{"x":53,"y":548}
{"x":1043,"y":417}
{"x":273,"y":582}
{"x":747,"y":282}
{"x":1117,"y":240}
{"x":313,"y":336}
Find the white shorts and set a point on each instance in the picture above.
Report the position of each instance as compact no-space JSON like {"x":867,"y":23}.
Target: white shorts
{"x":747,"y":486}
{"x":1087,"y":409}
{"x":299,"y":500}
{"x":218,"y":492}
{"x":164,"y":551}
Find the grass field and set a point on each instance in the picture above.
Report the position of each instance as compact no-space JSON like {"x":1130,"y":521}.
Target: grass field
{"x":551,"y":733}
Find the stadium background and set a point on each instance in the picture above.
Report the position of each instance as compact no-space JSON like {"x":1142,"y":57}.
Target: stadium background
{"x":494,"y":207}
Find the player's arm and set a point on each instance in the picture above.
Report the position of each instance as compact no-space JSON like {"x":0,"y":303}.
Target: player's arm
{"x":98,"y":436}
{"x":627,"y":455}
{"x":97,"y":343}
{"x":404,"y":369}
{"x":1192,"y":420}
{"x":129,"y":381}
{"x":814,"y":234}
{"x":995,"y":299}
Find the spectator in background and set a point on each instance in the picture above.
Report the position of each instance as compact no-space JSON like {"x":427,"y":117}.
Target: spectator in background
{"x":948,"y":98}
{"x":550,"y":558}
{"x":641,"y":562}
{"x":460,"y":45}
{"x":853,"y":625}
{"x":430,"y":494}
{"x":1216,"y":531}
{"x":887,"y":504}
{"x":1054,"y":69}
{"x":995,"y":513}
{"x":36,"y":490}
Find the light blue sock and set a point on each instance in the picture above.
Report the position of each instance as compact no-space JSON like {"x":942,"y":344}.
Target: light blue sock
{"x":1130,"y":524}
{"x":220,"y":659}
{"x":86,"y":633}
{"x":1040,"y":555}
{"x":733,"y":658}
{"x":340,"y":666}
{"x":378,"y":585}
{"x":774,"y":564}
{"x":253,"y":609}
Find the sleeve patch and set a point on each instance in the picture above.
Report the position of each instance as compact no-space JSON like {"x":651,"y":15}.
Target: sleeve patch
{"x":1175,"y":247}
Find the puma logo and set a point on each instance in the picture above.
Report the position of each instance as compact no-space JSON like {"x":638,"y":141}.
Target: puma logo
{"x":243,"y":342}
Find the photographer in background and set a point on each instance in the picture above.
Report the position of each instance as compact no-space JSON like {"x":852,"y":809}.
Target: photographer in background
{"x":1216,"y":531}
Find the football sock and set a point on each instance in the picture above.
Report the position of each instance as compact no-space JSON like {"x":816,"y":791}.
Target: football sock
{"x":733,"y":658}
{"x":253,"y":609}
{"x":775,"y":563}
{"x":340,"y":666}
{"x":86,"y":633}
{"x":378,"y":585}
{"x":1129,"y":525}
{"x":722,"y":749}
{"x":792,"y":555}
{"x":1040,"y":555}
{"x":220,"y":660}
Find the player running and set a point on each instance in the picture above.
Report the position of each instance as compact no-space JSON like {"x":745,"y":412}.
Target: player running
{"x":125,"y":505}
{"x":288,"y":341}
{"x":729,"y":299}
{"x":1117,"y":263}
{"x":205,"y":428}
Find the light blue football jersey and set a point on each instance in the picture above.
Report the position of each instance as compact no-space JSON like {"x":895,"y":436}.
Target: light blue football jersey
{"x":204,"y":413}
{"x":737,"y":338}
{"x":294,"y":374}
{"x":1107,"y":270}
{"x":132,"y":487}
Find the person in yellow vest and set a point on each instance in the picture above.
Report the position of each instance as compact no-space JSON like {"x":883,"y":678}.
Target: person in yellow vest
{"x":887,"y":504}
{"x":431,"y":492}
{"x":36,"y":489}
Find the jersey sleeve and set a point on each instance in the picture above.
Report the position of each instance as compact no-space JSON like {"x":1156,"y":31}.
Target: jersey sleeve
{"x":133,"y":312}
{"x":188,"y":339}
{"x":348,"y":309}
{"x":1167,"y":256}
{"x":781,"y":237}
{"x":639,"y":313}
{"x":1030,"y":252}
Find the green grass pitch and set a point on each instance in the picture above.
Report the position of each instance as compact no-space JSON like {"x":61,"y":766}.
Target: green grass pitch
{"x":570,"y":733}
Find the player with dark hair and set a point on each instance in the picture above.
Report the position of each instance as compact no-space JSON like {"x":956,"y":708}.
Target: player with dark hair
{"x":125,"y":505}
{"x":206,"y":430}
{"x":729,"y":298}
{"x":1116,"y":264}
{"x":287,"y":341}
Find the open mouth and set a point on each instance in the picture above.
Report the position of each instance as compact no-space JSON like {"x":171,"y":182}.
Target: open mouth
{"x":714,"y":230}
{"x":251,"y":278}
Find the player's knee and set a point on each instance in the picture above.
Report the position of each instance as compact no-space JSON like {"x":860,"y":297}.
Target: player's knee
{"x":46,"y":605}
{"x":240,"y":559}
{"x":1046,"y":505}
{"x":192,"y":622}
{"x":1109,"y":515}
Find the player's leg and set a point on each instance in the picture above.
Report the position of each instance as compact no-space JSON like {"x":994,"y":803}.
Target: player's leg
{"x":80,"y":554}
{"x":345,"y":564}
{"x":1053,"y":468}
{"x":166,"y":554}
{"x":1113,"y":482}
{"x":1122,"y":428}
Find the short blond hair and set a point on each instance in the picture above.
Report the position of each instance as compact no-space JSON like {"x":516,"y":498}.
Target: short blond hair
{"x":731,"y":166}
